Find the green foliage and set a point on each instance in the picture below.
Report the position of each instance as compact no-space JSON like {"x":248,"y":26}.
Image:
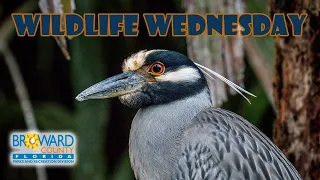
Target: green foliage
{"x":90,"y":117}
{"x":54,"y":117}
{"x":259,"y":105}
{"x":254,"y":112}
{"x":123,"y":171}
{"x":9,"y":112}
{"x":266,"y":43}
{"x":66,"y":5}
{"x":90,"y":123}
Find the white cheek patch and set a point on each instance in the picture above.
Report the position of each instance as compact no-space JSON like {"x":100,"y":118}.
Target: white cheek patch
{"x":186,"y":74}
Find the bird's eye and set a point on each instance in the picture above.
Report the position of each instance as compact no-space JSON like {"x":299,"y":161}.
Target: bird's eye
{"x":156,"y":68}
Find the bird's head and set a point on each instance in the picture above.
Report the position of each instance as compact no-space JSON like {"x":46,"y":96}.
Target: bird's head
{"x":156,"y":77}
{"x":149,"y":78}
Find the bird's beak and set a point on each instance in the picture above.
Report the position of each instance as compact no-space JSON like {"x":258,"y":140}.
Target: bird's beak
{"x":125,"y":83}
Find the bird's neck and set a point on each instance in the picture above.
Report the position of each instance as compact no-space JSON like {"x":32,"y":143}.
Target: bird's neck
{"x":155,"y":130}
{"x":173,"y":115}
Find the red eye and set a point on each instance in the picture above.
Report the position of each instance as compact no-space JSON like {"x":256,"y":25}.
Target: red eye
{"x":156,"y":68}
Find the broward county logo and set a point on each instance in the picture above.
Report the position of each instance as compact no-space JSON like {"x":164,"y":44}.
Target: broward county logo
{"x":43,"y":148}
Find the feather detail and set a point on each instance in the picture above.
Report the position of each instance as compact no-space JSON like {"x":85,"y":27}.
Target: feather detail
{"x":209,"y":74}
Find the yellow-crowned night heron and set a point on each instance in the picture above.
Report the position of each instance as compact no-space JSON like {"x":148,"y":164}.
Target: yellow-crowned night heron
{"x":176,"y":133}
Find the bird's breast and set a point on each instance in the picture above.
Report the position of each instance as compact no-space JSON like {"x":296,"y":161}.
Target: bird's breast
{"x":152,"y":148}
{"x":155,"y":134}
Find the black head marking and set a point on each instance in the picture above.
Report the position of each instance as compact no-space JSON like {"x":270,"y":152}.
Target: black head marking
{"x":171,"y":59}
{"x":164,"y":92}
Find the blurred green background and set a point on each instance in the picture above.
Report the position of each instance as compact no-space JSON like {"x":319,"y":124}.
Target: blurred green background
{"x":102,"y":126}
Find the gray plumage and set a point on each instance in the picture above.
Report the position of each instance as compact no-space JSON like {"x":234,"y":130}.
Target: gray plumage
{"x":176,"y":134}
{"x":202,"y":143}
{"x":222,"y":145}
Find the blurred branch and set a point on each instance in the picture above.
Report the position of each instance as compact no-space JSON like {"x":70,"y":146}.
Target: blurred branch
{"x":22,"y":94}
{"x":7,"y":27}
{"x":234,"y":48}
{"x":208,"y":51}
{"x":260,"y":66}
{"x":60,"y":7}
{"x":6,"y":32}
{"x":20,"y":88}
{"x":223,"y":55}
